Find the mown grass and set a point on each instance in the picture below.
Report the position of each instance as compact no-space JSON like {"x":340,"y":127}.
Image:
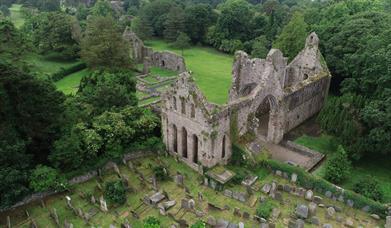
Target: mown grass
{"x":378,"y":167}
{"x":70,"y":83}
{"x":211,"y":69}
{"x":16,"y":16}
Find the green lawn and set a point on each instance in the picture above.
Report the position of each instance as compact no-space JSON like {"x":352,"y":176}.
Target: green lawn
{"x":16,"y":15}
{"x":377,"y":167}
{"x":162,"y":72}
{"x":211,"y":69}
{"x":70,"y":83}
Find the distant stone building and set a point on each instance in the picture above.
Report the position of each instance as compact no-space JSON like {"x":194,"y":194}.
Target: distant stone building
{"x":149,"y":57}
{"x":267,"y":99}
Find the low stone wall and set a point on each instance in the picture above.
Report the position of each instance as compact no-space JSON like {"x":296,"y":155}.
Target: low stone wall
{"x":315,"y":157}
{"x":78,"y":180}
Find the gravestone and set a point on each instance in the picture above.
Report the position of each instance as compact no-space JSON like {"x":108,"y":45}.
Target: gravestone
{"x":312,"y":208}
{"x":302,"y":211}
{"x":294,"y":177}
{"x":179,"y":179}
{"x":330,"y":212}
{"x":211,"y":221}
{"x":327,"y":225}
{"x":206,"y":182}
{"x":237,"y":212}
{"x":275,"y":213}
{"x":309,"y":194}
{"x":67,"y":224}
{"x":318,"y":199}
{"x":287,"y":188}
{"x":126,"y":224}
{"x":191,"y":204}
{"x":329,"y":194}
{"x":349,"y":222}
{"x":116,"y":169}
{"x":228,"y":193}
{"x":278,"y":173}
{"x":103,"y":204}
{"x":278,"y":196}
{"x":200,"y":197}
{"x":68,"y":200}
{"x":315,"y":220}
{"x":8,"y":222}
{"x":350,"y":203}
{"x":266,"y":188}
{"x":154,"y":183}
{"x":241,"y":225}
{"x":53,"y":214}
{"x":130,"y":166}
{"x":388,"y":222}
{"x":92,"y":199}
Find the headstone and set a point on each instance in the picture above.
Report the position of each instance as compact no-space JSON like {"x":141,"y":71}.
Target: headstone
{"x":330,"y":212}
{"x":339,"y":218}
{"x":375,"y":216}
{"x":211,"y":221}
{"x":266,"y":188}
{"x":302,"y":211}
{"x":315,"y":220}
{"x":116,"y":169}
{"x":126,"y":224}
{"x":130,"y":166}
{"x":69,"y":203}
{"x":27,"y":213}
{"x":54,"y":215}
{"x":350,"y":203}
{"x":154,"y":183}
{"x":206,"y":182}
{"x":388,"y":222}
{"x":312,"y":208}
{"x":296,"y":223}
{"x":93,"y":200}
{"x":337,"y":208}
{"x":179,"y":179}
{"x":200,"y":197}
{"x":285,"y":175}
{"x":349,"y":222}
{"x":191,"y":204}
{"x":340,"y":198}
{"x":280,"y":187}
{"x":287,"y":188}
{"x":237,"y":212}
{"x":199,"y":214}
{"x":185,"y":204}
{"x":366,"y":208}
{"x":278,"y":196}
{"x":246,"y":215}
{"x":222,"y":223}
{"x":327,"y":225}
{"x":8,"y":222}
{"x":275,"y":213}
{"x":328,"y":194}
{"x":309,"y":194}
{"x":103,"y":204}
{"x":241,"y":225}
{"x":278,"y":173}
{"x":318,"y":199}
{"x":67,"y":224}
{"x":294,"y":177}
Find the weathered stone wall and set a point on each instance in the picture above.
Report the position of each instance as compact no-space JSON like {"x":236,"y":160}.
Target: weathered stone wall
{"x":188,"y":129}
{"x":146,"y":55}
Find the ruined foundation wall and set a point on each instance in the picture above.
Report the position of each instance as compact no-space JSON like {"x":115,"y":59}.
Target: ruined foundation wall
{"x":167,"y":60}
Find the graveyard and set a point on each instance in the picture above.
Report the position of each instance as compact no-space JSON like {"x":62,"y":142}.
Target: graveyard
{"x":184,"y":198}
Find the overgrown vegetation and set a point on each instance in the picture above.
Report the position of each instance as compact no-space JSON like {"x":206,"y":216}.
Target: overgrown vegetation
{"x":265,"y":209}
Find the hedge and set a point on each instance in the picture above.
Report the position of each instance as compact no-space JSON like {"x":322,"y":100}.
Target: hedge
{"x":63,"y":72}
{"x":318,"y":184}
{"x":309,"y":181}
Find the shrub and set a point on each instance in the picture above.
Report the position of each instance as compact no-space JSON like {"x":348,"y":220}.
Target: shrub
{"x":369,"y":187}
{"x":265,"y":209}
{"x":151,"y":222}
{"x":67,"y":71}
{"x":115,"y":192}
{"x":338,"y":166}
{"x":230,"y":46}
{"x":46,"y":178}
{"x":160,"y":173}
{"x":199,"y":224}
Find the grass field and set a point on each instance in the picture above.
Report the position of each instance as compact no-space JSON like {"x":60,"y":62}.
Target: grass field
{"x":211,"y":69}
{"x":16,"y":15}
{"x":118,"y":214}
{"x":378,"y":168}
{"x":70,"y":84}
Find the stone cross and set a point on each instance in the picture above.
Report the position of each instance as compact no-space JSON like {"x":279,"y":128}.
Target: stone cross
{"x":103,"y":204}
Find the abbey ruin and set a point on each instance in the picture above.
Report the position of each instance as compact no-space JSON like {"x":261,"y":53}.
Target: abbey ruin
{"x":267,"y":99}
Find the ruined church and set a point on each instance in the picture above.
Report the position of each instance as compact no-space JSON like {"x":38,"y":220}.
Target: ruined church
{"x":267,"y":99}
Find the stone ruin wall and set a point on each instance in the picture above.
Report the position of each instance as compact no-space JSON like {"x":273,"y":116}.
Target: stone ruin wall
{"x":185,"y":112}
{"x":146,"y":55}
{"x":288,"y":94}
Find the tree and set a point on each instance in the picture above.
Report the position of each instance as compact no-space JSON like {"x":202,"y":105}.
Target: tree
{"x":115,"y":192}
{"x":45,"y":178}
{"x":291,"y":40}
{"x":338,"y":166}
{"x":151,"y":222}
{"x":368,"y":186}
{"x":182,"y":41}
{"x":102,"y":8}
{"x":174,"y":24}
{"x":142,"y":28}
{"x":103,"y":46}
{"x":260,"y":47}
{"x":197,"y":20}
{"x":12,"y":45}
{"x":155,"y":15}
{"x":44,"y":5}
{"x":55,"y":32}
{"x":4,"y":10}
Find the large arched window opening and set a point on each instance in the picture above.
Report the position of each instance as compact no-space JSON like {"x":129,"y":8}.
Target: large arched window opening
{"x":175,"y":139}
{"x":184,"y":143}
{"x":195,"y":149}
